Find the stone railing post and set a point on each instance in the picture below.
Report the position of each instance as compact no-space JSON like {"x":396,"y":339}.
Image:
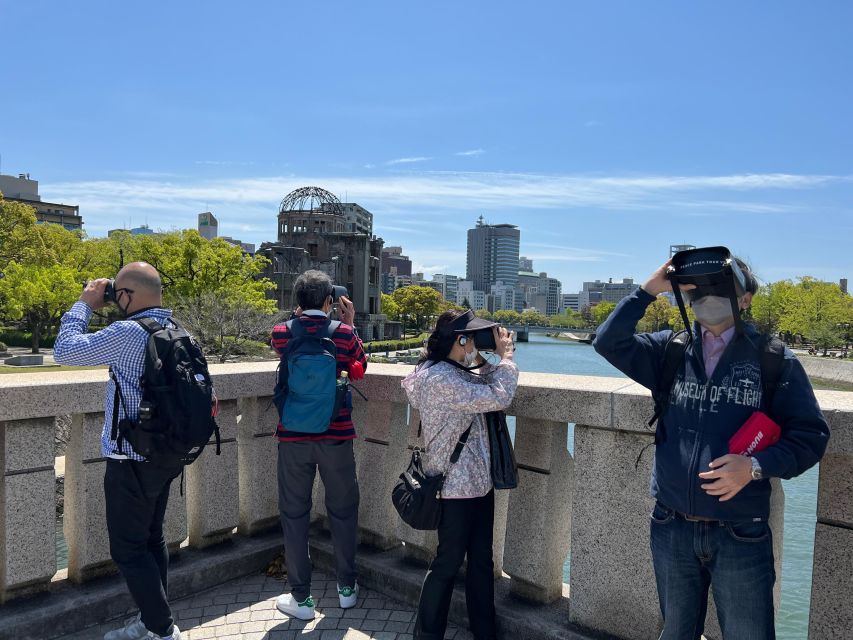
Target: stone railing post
{"x":27,"y":507}
{"x":539,"y":515}
{"x":211,"y":485}
{"x":612,"y":580}
{"x":257,"y":453}
{"x":831,"y":613}
{"x":379,"y":447}
{"x":85,"y":521}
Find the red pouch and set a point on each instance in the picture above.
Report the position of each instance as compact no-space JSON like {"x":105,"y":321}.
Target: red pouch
{"x":756,"y":434}
{"x":356,"y":371}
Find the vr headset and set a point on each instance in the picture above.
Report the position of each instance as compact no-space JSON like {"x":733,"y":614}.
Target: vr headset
{"x":482,"y":330}
{"x":338,"y":292}
{"x":714,"y":272}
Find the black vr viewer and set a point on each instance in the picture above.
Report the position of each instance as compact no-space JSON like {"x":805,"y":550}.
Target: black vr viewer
{"x":714,"y":272}
{"x":482,"y":330}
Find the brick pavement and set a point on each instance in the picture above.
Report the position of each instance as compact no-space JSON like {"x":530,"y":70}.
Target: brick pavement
{"x":244,"y":609}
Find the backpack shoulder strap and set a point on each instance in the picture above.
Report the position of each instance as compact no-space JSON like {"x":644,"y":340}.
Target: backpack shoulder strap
{"x":333,"y":326}
{"x":772,"y":361}
{"x":149,"y":324}
{"x":673,"y":358}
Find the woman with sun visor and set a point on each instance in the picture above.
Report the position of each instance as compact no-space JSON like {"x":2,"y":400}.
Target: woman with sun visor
{"x":734,"y":408}
{"x":452,"y":387}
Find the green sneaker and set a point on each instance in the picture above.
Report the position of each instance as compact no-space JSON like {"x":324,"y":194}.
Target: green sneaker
{"x":348,"y":596}
{"x":288,"y":605}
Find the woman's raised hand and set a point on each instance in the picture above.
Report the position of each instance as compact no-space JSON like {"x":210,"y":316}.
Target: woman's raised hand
{"x":503,"y":342}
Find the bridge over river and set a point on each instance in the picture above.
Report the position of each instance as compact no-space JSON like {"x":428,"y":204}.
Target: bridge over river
{"x":522,"y":331}
{"x":591,"y":505}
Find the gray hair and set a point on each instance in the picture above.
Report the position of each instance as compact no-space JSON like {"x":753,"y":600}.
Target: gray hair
{"x":312,"y":288}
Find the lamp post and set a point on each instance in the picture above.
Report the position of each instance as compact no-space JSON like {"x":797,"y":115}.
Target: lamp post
{"x":335,"y":260}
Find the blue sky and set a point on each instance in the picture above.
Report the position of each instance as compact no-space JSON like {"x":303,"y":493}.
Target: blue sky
{"x":606,"y":131}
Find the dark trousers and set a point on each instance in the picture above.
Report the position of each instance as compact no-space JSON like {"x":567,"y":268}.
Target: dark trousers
{"x":136,"y":497}
{"x":465,"y":528}
{"x":297,"y":466}
{"x":735,"y":559}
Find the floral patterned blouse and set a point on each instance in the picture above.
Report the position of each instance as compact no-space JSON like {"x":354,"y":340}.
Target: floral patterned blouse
{"x":449,"y":399}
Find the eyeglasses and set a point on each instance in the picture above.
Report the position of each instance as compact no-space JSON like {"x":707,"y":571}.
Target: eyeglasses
{"x":125,"y":289}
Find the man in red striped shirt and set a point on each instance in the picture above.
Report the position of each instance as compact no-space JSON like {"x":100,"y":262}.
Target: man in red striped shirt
{"x":301,"y":454}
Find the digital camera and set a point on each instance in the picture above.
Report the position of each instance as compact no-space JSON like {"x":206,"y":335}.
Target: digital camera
{"x":109,"y":291}
{"x":338,"y":292}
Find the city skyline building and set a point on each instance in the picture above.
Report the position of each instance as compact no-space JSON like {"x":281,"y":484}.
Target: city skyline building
{"x":208,"y":225}
{"x":25,"y":190}
{"x":392,"y":257}
{"x":493,"y":254}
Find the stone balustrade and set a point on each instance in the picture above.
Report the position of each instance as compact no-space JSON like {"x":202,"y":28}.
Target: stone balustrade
{"x":592,"y":506}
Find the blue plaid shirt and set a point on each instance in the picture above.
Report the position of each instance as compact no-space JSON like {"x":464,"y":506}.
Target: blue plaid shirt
{"x":121,"y":345}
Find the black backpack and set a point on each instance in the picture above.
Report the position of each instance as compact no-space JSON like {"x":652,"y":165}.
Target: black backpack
{"x":176,"y":411}
{"x":772,"y":360}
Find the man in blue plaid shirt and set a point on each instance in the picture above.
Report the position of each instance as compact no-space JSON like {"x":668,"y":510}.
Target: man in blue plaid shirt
{"x":136,"y":491}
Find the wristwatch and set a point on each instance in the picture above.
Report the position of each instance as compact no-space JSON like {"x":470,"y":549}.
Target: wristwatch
{"x":756,"y":470}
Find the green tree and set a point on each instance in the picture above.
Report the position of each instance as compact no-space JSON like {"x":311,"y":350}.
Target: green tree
{"x":466,"y":304}
{"x":39,"y":295}
{"x":601,"y":311}
{"x":389,"y":306}
{"x":484,"y":313}
{"x":769,"y":305}
{"x":420,"y":303}
{"x":817,"y":310}
{"x":507,"y":316}
{"x":657,"y":316}
{"x":533,"y":317}
{"x":18,"y":238}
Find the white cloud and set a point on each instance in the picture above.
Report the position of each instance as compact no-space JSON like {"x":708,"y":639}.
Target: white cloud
{"x":430,"y":201}
{"x":412,"y":160}
{"x":472,"y":152}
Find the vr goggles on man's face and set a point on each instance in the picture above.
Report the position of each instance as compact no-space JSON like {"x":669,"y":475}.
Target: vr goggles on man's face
{"x":711,"y":269}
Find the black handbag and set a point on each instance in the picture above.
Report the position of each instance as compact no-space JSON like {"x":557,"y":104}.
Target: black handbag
{"x":504,"y":468}
{"x":417,"y":496}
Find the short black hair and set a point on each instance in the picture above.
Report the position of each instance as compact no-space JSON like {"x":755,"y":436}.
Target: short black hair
{"x":312,"y":288}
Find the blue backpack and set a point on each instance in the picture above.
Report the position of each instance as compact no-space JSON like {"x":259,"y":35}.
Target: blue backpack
{"x":307,"y":394}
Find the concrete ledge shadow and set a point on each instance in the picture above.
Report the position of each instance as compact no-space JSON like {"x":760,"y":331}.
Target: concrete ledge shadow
{"x":68,"y":608}
{"x":396,"y":577}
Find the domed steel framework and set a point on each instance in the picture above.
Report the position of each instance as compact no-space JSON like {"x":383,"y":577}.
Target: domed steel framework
{"x":311,"y":199}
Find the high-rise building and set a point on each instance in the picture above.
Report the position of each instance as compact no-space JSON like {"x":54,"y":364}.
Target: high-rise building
{"x":598,"y":291}
{"x":466,"y":292}
{"x":492,"y":254}
{"x":208,"y":226}
{"x":393,"y":258}
{"x":525,"y":264}
{"x":843,"y":284}
{"x":26,"y":191}
{"x":571,"y":301}
{"x":502,"y":297}
{"x":448,"y":286}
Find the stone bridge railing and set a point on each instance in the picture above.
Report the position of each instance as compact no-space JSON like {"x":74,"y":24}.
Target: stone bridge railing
{"x":592,"y":506}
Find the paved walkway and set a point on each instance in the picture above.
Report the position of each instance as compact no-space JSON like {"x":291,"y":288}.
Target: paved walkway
{"x":244,"y":609}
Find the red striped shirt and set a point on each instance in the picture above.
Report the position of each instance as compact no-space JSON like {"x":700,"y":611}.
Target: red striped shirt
{"x":349,"y":350}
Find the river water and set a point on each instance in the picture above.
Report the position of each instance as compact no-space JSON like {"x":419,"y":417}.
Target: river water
{"x":550,"y":355}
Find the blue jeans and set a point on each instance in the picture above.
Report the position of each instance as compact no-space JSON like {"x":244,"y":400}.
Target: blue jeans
{"x":734,"y":558}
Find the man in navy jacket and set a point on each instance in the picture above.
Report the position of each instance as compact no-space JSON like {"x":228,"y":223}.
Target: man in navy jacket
{"x":709,"y":526}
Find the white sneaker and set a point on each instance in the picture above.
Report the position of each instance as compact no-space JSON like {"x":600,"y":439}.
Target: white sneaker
{"x":133,"y":629}
{"x":176,"y":635}
{"x":348,"y":596}
{"x":288,"y":605}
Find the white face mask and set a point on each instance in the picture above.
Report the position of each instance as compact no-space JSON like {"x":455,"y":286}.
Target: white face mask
{"x":712,"y":310}
{"x":470,"y":358}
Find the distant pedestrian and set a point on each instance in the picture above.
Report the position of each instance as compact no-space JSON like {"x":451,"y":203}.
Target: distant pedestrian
{"x":136,"y":490}
{"x":315,"y":433}
{"x":451,"y":402}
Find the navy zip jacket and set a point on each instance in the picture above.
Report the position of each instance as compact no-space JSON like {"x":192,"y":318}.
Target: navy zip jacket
{"x":703,"y":413}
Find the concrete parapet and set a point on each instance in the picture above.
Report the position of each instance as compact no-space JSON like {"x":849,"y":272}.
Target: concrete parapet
{"x":212,"y":489}
{"x":257,"y":465}
{"x":84,"y":519}
{"x":27,"y":507}
{"x":539,"y":517}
